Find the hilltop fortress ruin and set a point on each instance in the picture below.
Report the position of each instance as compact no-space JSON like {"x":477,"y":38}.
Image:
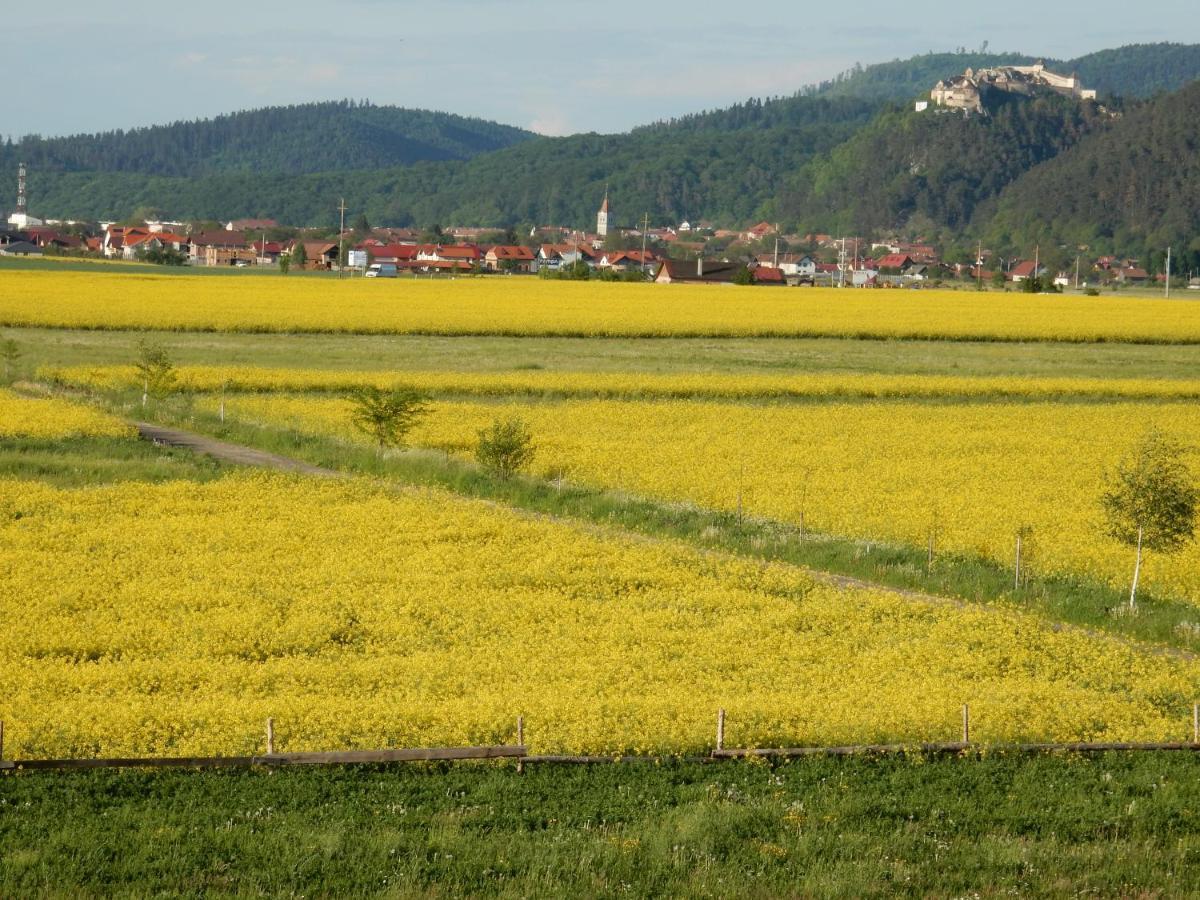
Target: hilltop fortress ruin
{"x":969,"y":91}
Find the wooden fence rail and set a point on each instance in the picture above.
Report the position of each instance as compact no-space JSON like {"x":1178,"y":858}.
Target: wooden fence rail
{"x":520,"y":752}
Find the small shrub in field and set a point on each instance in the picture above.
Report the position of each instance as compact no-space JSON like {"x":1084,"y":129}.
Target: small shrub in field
{"x":505,"y":447}
{"x":387,"y":416}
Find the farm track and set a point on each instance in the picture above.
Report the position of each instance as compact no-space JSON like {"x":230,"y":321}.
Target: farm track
{"x":238,"y":454}
{"x":242,"y":455}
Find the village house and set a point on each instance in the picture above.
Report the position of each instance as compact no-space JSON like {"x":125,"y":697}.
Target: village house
{"x":20,"y":248}
{"x":267,"y":253}
{"x":432,"y":257}
{"x":793,"y":265}
{"x":627,"y":260}
{"x":700,"y":271}
{"x":140,"y":243}
{"x":317,"y":254}
{"x":894,"y":263}
{"x":400,"y":255}
{"x":114,"y":239}
{"x":244,"y":225}
{"x":220,"y":248}
{"x":1132,"y":275}
{"x":556,"y":256}
{"x":769,"y":276}
{"x":510,"y":259}
{"x":1024,"y":270}
{"x":758,"y":232}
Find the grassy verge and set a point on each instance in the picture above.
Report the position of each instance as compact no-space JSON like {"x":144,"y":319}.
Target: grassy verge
{"x":742,"y":356}
{"x":1060,"y":599}
{"x":1118,"y":826}
{"x":80,"y":462}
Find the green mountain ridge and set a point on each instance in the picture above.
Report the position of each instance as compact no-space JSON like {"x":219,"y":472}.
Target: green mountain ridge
{"x":844,"y":155}
{"x":293,"y":140}
{"x":930,"y":171}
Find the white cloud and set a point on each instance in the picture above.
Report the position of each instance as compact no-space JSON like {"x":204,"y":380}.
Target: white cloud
{"x":551,"y":124}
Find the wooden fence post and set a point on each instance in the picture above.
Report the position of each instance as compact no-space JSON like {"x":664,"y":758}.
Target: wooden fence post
{"x":1017,"y":578}
{"x":520,"y":741}
{"x":720,"y":729}
{"x":966,"y":724}
{"x":270,"y":737}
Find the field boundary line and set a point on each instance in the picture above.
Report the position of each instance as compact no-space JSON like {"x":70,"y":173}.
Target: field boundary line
{"x":343,"y":758}
{"x":522,"y":755}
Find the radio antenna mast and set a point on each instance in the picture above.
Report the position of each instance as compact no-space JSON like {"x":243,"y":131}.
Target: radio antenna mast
{"x":22,"y":202}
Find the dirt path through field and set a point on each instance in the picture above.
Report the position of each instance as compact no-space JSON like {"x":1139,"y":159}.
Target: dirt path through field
{"x":231,"y":453}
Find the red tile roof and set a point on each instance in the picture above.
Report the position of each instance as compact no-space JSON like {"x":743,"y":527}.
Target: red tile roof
{"x":894,"y":261}
{"x":522,"y":254}
{"x":767,"y":275}
{"x":392,"y":251}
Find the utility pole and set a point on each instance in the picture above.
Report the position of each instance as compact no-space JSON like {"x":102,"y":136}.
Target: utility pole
{"x":342,"y":235}
{"x":979,"y":267}
{"x":842,"y":263}
{"x":1076,"y":271}
{"x":1168,"y":273}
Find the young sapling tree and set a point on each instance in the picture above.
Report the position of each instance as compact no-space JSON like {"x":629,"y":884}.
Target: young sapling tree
{"x":155,"y":371}
{"x":10,"y":352}
{"x":1150,"y":500}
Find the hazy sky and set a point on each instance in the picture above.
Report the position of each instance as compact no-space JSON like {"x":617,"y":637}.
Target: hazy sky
{"x":554,"y":67}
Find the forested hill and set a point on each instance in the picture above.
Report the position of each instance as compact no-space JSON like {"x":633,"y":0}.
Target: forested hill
{"x":315,"y":137}
{"x":932,"y":170}
{"x":1136,"y":70}
{"x":551,"y":180}
{"x":1136,"y":184}
{"x":832,"y":157}
{"x":1139,"y":70}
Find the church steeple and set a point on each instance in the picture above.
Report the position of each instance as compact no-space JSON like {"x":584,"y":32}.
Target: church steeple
{"x":602,"y":218}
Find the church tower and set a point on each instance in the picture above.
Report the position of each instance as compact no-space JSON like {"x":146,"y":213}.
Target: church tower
{"x":602,"y":218}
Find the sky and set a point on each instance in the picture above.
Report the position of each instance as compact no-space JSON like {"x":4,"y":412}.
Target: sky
{"x":555,"y":68}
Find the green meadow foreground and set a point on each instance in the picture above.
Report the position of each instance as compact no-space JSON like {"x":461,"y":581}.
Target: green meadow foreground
{"x":667,"y":552}
{"x":1110,"y":826}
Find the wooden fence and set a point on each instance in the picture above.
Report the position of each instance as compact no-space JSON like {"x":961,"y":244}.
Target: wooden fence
{"x":520,"y":752}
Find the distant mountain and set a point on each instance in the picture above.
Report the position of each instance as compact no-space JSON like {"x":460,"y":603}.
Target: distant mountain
{"x":1135,"y":185}
{"x":849,"y":155}
{"x":315,"y":137}
{"x":722,"y":174}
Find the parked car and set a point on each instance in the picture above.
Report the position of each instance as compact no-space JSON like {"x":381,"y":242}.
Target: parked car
{"x":382,"y":270}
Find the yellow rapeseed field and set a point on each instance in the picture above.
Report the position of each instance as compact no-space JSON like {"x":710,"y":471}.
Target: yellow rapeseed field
{"x":527,"y":306}
{"x":174,"y":619}
{"x":643,"y":385}
{"x":44,"y":417}
{"x":888,"y":470}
